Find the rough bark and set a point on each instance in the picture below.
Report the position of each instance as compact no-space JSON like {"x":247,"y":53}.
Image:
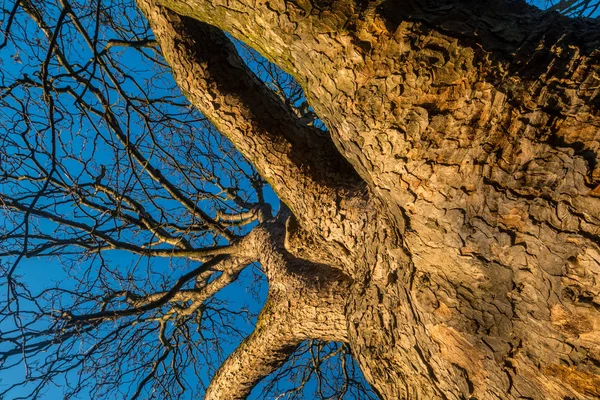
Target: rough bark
{"x":305,"y":301}
{"x":264,"y":129}
{"x":475,"y":253}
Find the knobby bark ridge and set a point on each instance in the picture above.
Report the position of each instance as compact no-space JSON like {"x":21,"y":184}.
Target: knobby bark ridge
{"x":448,"y":225}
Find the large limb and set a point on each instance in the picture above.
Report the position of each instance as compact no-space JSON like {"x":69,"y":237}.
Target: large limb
{"x":300,"y":162}
{"x":299,"y":307}
{"x":261,"y":353}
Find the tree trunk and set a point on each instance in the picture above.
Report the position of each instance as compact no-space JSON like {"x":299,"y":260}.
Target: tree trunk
{"x":474,"y":254}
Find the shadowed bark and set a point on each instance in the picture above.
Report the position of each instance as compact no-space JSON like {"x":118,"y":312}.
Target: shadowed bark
{"x":267,"y":131}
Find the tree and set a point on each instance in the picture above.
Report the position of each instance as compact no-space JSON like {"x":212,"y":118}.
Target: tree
{"x":445,"y":226}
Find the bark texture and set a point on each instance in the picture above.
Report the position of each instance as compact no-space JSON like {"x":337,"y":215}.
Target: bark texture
{"x":305,"y":301}
{"x":468,"y":225}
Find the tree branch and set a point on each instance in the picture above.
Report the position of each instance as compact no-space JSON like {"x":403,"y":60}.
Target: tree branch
{"x":112,"y":243}
{"x":261,"y":353}
{"x":230,"y":269}
{"x":301,"y":164}
{"x":113,"y":121}
{"x":155,"y":302}
{"x":299,"y":307}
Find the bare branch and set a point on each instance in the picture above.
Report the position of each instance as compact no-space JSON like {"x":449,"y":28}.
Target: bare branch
{"x":161,"y":300}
